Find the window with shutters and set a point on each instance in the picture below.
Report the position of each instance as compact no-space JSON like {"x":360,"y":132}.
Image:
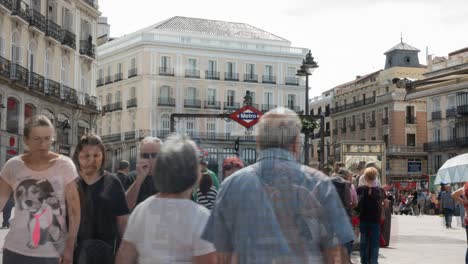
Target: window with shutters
{"x":230,"y":97}
{"x":211,"y":96}
{"x":268,"y":70}
{"x":190,"y":127}
{"x":15,"y":49}
{"x":192,"y":93}
{"x":165,"y":92}
{"x":165,"y":62}
{"x":211,"y":128}
{"x":291,"y":101}
{"x":165,"y":125}
{"x":250,"y":69}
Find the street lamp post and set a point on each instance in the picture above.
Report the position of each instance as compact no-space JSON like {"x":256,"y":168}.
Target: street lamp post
{"x":307,"y":68}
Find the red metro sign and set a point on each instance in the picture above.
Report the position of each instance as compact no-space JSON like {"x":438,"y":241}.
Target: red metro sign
{"x":247,"y":116}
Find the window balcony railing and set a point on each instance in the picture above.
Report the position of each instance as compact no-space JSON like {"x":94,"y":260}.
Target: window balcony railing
{"x":7,"y":4}
{"x":269,"y":79}
{"x":436,"y":115}
{"x":5,"y":67}
{"x":68,"y":94}
{"x":36,"y":82}
{"x":91,"y":102}
{"x":69,"y":39}
{"x":165,"y":71}
{"x":410,"y":120}
{"x":212,"y":75}
{"x":372,"y":123}
{"x":87,"y":48}
{"x":20,"y":9}
{"x":231,"y":105}
{"x":52,"y":89}
{"x":19,"y":74}
{"x":212,"y":104}
{"x":362,"y":126}
{"x":295,"y":108}
{"x":118,"y":77}
{"x":100,"y":82}
{"x":54,"y":31}
{"x":192,"y":103}
{"x":291,"y":81}
{"x":250,"y":77}
{"x":132,"y":72}
{"x":398,"y":150}
{"x":132,"y":103}
{"x":130,"y":135}
{"x":167,"y":101}
{"x":117,"y":106}
{"x":446,"y":144}
{"x":192,"y":73}
{"x":452,"y":112}
{"x":37,"y":20}
{"x":109,"y":79}
{"x":231,"y":76}
{"x":107,"y":108}
{"x":462,"y":109}
{"x":385,"y":121}
{"x":267,"y":107}
{"x":353,"y":105}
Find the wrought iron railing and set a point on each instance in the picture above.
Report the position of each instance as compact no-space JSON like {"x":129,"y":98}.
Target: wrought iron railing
{"x":192,"y":103}
{"x":87,"y":48}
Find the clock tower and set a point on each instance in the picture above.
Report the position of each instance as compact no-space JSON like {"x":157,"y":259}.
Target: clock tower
{"x":402,"y":55}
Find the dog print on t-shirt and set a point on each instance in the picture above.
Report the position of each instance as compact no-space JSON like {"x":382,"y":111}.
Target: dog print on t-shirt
{"x":38,"y":198}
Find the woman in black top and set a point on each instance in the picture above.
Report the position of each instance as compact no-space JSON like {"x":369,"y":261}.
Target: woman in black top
{"x":104,"y":209}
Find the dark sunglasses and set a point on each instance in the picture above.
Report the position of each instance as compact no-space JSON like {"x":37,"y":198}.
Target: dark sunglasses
{"x":149,"y":155}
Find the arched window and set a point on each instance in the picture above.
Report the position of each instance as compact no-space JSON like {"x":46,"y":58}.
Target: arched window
{"x":12,"y":121}
{"x":165,"y":125}
{"x":29,"y":111}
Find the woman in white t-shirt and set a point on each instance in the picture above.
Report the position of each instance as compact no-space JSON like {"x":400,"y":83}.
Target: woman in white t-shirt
{"x":167,"y":227}
{"x":45,"y":193}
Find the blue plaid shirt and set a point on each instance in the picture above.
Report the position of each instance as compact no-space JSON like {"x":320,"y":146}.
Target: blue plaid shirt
{"x":278,"y":211}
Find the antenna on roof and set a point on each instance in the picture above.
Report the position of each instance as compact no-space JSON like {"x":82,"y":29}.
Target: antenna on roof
{"x":401,"y":37}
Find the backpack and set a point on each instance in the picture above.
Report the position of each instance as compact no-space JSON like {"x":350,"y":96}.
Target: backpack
{"x":343,"y":188}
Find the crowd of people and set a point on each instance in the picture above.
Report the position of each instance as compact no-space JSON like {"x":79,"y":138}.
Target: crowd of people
{"x":173,"y":209}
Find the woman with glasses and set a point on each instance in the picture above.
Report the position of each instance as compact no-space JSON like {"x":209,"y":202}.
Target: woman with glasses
{"x":104,"y":209}
{"x":167,"y":227}
{"x":47,"y":213}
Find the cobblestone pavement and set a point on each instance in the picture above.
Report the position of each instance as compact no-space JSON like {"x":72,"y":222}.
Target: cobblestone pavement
{"x":423,"y":240}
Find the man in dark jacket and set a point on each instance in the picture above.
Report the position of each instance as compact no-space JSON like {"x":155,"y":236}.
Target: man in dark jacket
{"x":122,"y":173}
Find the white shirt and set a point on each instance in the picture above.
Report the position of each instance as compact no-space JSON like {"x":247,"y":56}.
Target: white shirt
{"x":168,"y":230}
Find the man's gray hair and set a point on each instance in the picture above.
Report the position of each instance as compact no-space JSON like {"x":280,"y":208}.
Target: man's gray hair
{"x":279,"y":128}
{"x":177,"y":165}
{"x":150,"y":139}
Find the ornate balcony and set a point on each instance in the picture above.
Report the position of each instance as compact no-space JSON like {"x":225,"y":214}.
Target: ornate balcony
{"x":446,"y":144}
{"x":192,"y":73}
{"x":6,"y":4}
{"x":451,"y":113}
{"x":165,"y":71}
{"x":52,"y":88}
{"x":212,"y":104}
{"x":212,"y":75}
{"x":130,"y":135}
{"x":192,"y":103}
{"x":250,"y":77}
{"x":436,"y":115}
{"x":132,"y":103}
{"x":69,"y":39}
{"x":166,"y":101}
{"x":87,"y":49}
{"x":267,"y":107}
{"x":132,"y":72}
{"x":54,"y":31}
{"x":118,"y":77}
{"x":269,"y":79}
{"x":291,"y":81}
{"x":5,"y":67}
{"x":100,"y":82}
{"x":117,"y":106}
{"x":231,"y":105}
{"x":37,"y":20}
{"x":36,"y":82}
{"x":19,"y":74}
{"x":68,"y":94}
{"x":109,"y":79}
{"x":231,"y":76}
{"x":20,"y":9}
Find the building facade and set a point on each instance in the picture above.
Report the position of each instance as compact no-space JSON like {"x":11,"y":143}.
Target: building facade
{"x":190,"y":65}
{"x":321,"y":105}
{"x":47,"y":65}
{"x":446,"y":90}
{"x":372,"y":108}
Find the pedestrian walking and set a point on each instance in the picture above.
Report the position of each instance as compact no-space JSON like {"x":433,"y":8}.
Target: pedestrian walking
{"x":122,"y":173}
{"x":277,"y":210}
{"x":461,"y":196}
{"x":231,"y":165}
{"x":104,"y":210}
{"x":206,"y":193}
{"x":167,"y":227}
{"x":447,"y":203}
{"x":141,"y":185}
{"x":47,"y":212}
{"x":370,"y":208}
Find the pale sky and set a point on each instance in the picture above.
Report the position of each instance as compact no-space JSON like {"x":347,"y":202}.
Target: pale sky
{"x":347,"y":37}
